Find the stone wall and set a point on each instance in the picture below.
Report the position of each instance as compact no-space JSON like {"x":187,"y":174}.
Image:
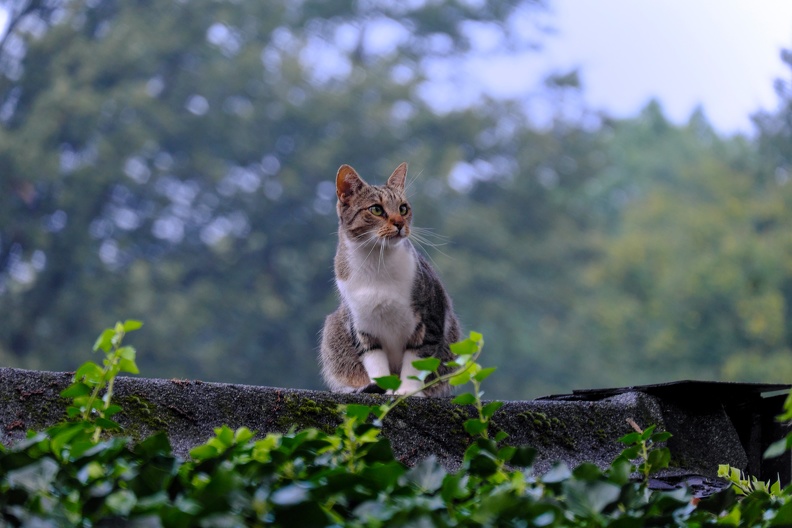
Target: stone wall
{"x":584,"y":426}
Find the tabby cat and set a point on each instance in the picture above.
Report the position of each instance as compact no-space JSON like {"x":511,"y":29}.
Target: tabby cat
{"x":394,"y":309}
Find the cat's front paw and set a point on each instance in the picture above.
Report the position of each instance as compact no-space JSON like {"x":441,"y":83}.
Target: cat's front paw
{"x":371,"y":388}
{"x":410,"y":387}
{"x":419,"y":394}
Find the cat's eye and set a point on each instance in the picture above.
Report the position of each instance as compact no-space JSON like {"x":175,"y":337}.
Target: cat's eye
{"x":376,"y":210}
{"x":403,"y":208}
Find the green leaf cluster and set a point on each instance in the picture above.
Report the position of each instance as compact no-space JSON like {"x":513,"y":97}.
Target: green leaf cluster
{"x":744,"y":485}
{"x":91,"y":390}
{"x":645,"y":445}
{"x":785,"y":444}
{"x":349,"y":477}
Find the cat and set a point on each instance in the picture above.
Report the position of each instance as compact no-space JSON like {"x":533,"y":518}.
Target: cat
{"x":393,"y":308}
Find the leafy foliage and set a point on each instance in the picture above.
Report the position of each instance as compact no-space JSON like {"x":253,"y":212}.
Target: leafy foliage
{"x":66,"y":476}
{"x":643,"y":445}
{"x":91,"y":379}
{"x":785,"y":444}
{"x":743,"y":485}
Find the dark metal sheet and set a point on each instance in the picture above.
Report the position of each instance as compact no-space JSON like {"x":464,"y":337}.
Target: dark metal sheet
{"x":723,"y":391}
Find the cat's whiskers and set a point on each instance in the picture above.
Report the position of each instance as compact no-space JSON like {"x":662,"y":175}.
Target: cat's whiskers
{"x":422,"y":238}
{"x":382,"y":242}
{"x":372,"y":237}
{"x":381,"y":261}
{"x":370,"y":234}
{"x":418,"y":235}
{"x":375,"y":241}
{"x":426,"y":232}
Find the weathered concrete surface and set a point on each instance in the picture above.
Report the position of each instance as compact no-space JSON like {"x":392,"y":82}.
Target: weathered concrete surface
{"x":570,"y":431}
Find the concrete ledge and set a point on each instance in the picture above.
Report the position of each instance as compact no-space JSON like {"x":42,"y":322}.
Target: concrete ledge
{"x":571,"y":431}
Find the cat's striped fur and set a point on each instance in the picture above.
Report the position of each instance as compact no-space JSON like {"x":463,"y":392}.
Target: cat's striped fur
{"x":393,"y":308}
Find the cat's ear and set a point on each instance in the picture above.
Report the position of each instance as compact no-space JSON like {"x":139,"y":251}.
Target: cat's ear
{"x":396,"y":179}
{"x":348,"y":182}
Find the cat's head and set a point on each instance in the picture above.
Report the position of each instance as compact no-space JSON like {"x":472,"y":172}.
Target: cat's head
{"x":373,"y":213}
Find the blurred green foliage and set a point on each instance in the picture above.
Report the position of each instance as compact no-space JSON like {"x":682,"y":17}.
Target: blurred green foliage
{"x":174,"y":162}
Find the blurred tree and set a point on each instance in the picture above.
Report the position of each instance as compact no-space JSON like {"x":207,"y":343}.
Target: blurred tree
{"x":521,"y":235}
{"x":174,"y":161}
{"x":693,"y":280}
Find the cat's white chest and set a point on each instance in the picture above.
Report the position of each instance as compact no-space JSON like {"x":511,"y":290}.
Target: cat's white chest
{"x":379,"y":295}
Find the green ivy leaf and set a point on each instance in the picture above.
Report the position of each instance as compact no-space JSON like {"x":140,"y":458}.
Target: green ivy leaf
{"x":659,"y":459}
{"x":631,"y":453}
{"x":647,"y":433}
{"x":157,"y":444}
{"x":619,"y":471}
{"x":76,"y":390}
{"x":489,"y":409}
{"x":105,"y":423}
{"x":378,"y":451}
{"x":524,"y":456}
{"x":587,"y":471}
{"x":127,"y":352}
{"x":661,"y":437}
{"x":787,"y":414}
{"x":474,"y":426}
{"x":90,"y":372}
{"x":105,"y":340}
{"x":460,"y":379}
{"x":454,"y":487}
{"x":506,"y":453}
{"x":783,"y":516}
{"x":131,"y":325}
{"x":484,"y":374}
{"x":203,"y":452}
{"x":111,"y":410}
{"x":121,"y":502}
{"x":778,"y":448}
{"x":224,"y":435}
{"x":242,"y":435}
{"x":775,"y":489}
{"x":464,"y":399}
{"x":358,"y":412}
{"x":464,"y":348}
{"x":429,"y":364}
{"x":588,"y":499}
{"x":630,"y":438}
{"x":126,"y":365}
{"x":483,"y":465}
{"x":391,"y":382}
{"x":61,"y":436}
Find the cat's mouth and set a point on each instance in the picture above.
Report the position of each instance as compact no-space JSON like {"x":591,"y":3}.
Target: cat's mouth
{"x":394,"y":237}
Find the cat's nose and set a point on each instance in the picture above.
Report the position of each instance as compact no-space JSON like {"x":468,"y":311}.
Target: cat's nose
{"x":398,"y":224}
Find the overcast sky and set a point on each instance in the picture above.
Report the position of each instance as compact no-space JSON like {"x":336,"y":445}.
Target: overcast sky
{"x":723,"y":54}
